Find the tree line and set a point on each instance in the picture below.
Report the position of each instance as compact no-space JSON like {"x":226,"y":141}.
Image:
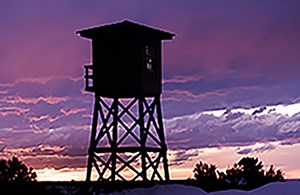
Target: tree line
{"x":247,"y":174}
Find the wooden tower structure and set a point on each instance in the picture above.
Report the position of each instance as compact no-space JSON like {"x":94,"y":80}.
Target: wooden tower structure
{"x":127,"y":137}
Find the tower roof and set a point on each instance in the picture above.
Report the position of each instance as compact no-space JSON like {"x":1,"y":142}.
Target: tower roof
{"x":124,"y":28}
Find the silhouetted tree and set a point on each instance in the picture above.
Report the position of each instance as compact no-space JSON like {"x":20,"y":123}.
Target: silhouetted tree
{"x":207,"y":176}
{"x":248,"y":173}
{"x":15,"y":171}
{"x":205,"y":172}
{"x":233,"y":176}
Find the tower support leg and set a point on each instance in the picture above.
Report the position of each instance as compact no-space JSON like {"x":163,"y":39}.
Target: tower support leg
{"x":127,"y":140}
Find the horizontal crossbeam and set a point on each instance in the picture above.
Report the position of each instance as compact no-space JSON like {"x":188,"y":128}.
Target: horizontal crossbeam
{"x":126,"y":149}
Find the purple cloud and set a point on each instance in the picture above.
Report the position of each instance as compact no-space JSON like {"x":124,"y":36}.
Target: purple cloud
{"x":203,"y":130}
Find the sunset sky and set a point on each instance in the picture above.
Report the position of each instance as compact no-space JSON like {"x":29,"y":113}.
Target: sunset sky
{"x":230,"y":81}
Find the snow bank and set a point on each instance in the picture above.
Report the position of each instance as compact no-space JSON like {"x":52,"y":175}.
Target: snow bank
{"x":278,"y":188}
{"x":172,"y":189}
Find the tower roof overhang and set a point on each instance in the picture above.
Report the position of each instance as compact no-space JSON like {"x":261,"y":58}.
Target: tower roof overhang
{"x":124,"y":29}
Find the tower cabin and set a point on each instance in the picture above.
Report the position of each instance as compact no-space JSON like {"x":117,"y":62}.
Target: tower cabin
{"x":126,"y":60}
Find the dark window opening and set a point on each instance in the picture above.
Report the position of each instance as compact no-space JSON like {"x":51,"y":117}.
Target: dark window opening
{"x":150,"y":58}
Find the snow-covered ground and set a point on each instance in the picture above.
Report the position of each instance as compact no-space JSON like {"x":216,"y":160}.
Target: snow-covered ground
{"x":278,"y":188}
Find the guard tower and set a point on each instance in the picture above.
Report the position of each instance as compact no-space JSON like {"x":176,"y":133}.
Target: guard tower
{"x":127,"y":137}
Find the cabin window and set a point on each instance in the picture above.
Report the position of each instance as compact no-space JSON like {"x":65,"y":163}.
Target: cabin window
{"x":150,"y":58}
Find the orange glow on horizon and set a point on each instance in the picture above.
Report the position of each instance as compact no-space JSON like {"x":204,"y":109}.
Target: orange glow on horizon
{"x":223,"y":157}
